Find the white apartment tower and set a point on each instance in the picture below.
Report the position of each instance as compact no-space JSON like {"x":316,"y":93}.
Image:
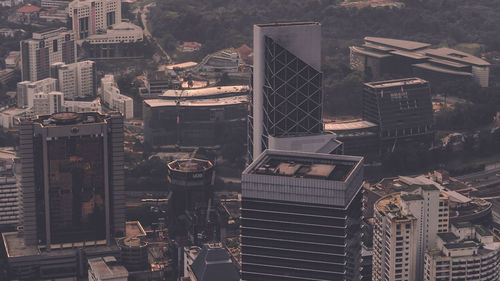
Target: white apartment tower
{"x":90,"y":17}
{"x":27,"y":89}
{"x":48,"y":103}
{"x":76,"y":80}
{"x":44,"y":49}
{"x":406,"y":226}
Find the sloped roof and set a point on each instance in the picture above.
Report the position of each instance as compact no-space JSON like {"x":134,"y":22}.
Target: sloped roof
{"x":400,"y":44}
{"x":455,"y":55}
{"x":214,"y":264}
{"x":28,"y":9}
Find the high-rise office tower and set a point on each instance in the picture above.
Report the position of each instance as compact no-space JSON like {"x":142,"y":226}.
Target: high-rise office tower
{"x":76,"y":80}
{"x":72,"y":179}
{"x":286,"y":99}
{"x":406,"y":226}
{"x":27,"y":89}
{"x":44,"y":49}
{"x":89,"y":17}
{"x":402,"y":109}
{"x":301,"y":217}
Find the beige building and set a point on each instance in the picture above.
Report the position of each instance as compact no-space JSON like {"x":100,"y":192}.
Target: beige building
{"x":468,"y":252}
{"x":48,"y":103}
{"x":112,"y":98}
{"x":406,"y":225}
{"x":76,"y":80}
{"x":91,"y":17}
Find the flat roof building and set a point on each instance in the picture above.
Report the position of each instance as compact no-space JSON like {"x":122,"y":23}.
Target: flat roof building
{"x":301,"y":217}
{"x":379,"y":56}
{"x":106,"y":269}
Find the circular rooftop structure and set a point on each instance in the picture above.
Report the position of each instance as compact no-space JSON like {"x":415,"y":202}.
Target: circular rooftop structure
{"x":66,"y":117}
{"x":190,"y":165}
{"x":190,"y":172}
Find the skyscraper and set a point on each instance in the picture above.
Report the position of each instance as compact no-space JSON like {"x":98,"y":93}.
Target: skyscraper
{"x":76,"y":80}
{"x":44,"y":49}
{"x":301,"y":217}
{"x":287,"y":90}
{"x":92,"y":16}
{"x":72,"y":178}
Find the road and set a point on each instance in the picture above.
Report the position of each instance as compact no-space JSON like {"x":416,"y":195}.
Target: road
{"x":144,"y":20}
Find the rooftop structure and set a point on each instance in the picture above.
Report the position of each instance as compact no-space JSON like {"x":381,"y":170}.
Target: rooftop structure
{"x":205,"y":93}
{"x":378,"y":56}
{"x":121,"y":32}
{"x":358,"y":137}
{"x":213,"y":264}
{"x":467,"y":250}
{"x":226,"y":60}
{"x":106,"y":268}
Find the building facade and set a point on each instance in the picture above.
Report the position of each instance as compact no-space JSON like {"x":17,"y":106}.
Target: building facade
{"x":10,"y":194}
{"x":44,"y":49}
{"x":90,"y":17}
{"x":48,"y":103}
{"x":405,"y":227}
{"x":402,"y":109}
{"x":26,"y":90}
{"x":72,"y":178}
{"x":466,"y":252}
{"x":112,"y":98}
{"x":301,"y":217}
{"x":76,"y":80}
{"x":203,"y":119}
{"x":287,"y":89}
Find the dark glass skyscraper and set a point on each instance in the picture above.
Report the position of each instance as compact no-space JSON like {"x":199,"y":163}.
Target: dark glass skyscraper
{"x":301,"y":217}
{"x":72,"y":178}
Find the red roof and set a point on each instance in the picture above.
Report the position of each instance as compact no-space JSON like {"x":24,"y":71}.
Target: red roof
{"x":28,"y":9}
{"x":191,"y":44}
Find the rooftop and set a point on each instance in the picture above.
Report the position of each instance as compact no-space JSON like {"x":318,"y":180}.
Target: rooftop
{"x":395,"y":83}
{"x":69,"y":118}
{"x":204,"y":92}
{"x":182,"y":65}
{"x":483,"y":231}
{"x":305,"y":165}
{"x":400,"y":44}
{"x":411,"y":197}
{"x":467,"y":244}
{"x":349,"y":125}
{"x":243,"y":99}
{"x":107,"y":267}
{"x":28,"y":9}
{"x":190,"y":165}
{"x":456,"y":55}
{"x":369,"y":52}
{"x":463,"y":224}
{"x":287,"y":24}
{"x":391,"y":206}
{"x":438,"y":68}
{"x":214,"y":264}
{"x":15,"y":247}
{"x":447,"y":236}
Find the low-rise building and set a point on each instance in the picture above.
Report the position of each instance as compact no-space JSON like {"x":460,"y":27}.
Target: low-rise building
{"x":106,"y":269}
{"x":467,"y":252}
{"x":13,"y":59}
{"x":6,"y":75}
{"x":213,"y":264}
{"x":188,"y":47}
{"x":112,"y":98}
{"x":227,"y":60}
{"x":9,"y":117}
{"x":83,"y":106}
{"x":120,"y":40}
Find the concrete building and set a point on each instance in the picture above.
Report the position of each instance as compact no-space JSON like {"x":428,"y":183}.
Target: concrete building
{"x":134,"y":248}
{"x":227,"y":60}
{"x":402,"y":58}
{"x":48,"y":103}
{"x":405,"y":227}
{"x":13,"y":59}
{"x":201,"y":118}
{"x":112,"y":98}
{"x":44,"y":49}
{"x":83,"y":106}
{"x":301,"y":217}
{"x":10,"y":194}
{"x":402,"y":110}
{"x":161,"y":80}
{"x":121,"y":40}
{"x":359,"y":137}
{"x":212,"y":263}
{"x":26,"y":90}
{"x":467,"y":252}
{"x":76,"y":80}
{"x":286,"y":98}
{"x":9,"y":117}
{"x":90,"y":17}
{"x":6,"y":75}
{"x":106,"y":269}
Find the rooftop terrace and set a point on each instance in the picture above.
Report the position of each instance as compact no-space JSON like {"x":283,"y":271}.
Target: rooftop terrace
{"x":306,"y":165}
